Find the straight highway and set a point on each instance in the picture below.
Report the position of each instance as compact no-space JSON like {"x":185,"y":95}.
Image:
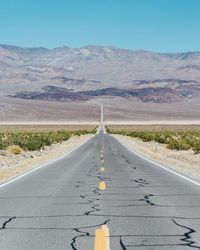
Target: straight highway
{"x":64,"y":204}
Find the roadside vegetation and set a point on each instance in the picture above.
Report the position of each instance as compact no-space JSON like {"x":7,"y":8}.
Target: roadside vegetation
{"x":177,"y":139}
{"x":17,"y":141}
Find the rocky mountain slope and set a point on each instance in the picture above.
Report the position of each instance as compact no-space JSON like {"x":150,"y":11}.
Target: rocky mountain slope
{"x":95,"y":74}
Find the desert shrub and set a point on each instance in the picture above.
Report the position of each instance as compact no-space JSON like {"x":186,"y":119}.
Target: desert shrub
{"x":160,"y":138}
{"x":196,"y":147}
{"x":14,"y":149}
{"x":2,"y":146}
{"x":178,"y":139}
{"x":178,"y":144}
{"x":37,"y":140}
{"x":146,"y":136}
{"x":33,"y":144}
{"x":3,"y":142}
{"x":108,"y":130}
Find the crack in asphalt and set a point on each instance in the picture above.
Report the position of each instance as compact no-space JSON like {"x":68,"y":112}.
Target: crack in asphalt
{"x":147,"y":199}
{"x":122,"y":244}
{"x":94,"y":207}
{"x":141,"y":181}
{"x":6,"y":222}
{"x":187,"y":238}
{"x":83,"y":233}
{"x":74,"y":239}
{"x":146,"y":216}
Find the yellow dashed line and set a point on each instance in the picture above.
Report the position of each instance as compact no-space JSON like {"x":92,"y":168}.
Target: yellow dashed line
{"x":102,"y":161}
{"x":102,"y":185}
{"x":107,"y":236}
{"x":102,"y":241}
{"x":102,"y":169}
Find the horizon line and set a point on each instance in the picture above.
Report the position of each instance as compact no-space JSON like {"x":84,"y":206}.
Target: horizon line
{"x":97,"y":45}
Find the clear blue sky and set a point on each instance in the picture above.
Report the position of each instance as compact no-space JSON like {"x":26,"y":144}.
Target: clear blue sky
{"x":156,"y":25}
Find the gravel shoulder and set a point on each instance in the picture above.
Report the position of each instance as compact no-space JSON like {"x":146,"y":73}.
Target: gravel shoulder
{"x":185,"y":162}
{"x":12,"y":165}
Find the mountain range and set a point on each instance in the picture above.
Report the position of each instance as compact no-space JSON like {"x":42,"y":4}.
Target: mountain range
{"x":131,"y":84}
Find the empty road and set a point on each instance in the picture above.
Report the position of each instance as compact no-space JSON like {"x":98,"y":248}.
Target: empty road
{"x":59,"y":206}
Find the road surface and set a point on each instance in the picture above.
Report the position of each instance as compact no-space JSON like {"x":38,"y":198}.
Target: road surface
{"x":59,"y":206}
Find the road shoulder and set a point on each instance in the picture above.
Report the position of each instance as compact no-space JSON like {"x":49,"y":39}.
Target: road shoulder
{"x":183,"y":162}
{"x":16,"y":165}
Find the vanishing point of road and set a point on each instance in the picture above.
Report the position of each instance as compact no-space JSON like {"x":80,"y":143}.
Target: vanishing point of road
{"x":102,"y":183}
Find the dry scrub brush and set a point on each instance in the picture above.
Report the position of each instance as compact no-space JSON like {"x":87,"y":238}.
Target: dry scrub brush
{"x":178,"y":139}
{"x":16,"y":141}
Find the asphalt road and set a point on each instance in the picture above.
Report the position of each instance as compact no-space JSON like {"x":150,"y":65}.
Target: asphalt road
{"x":59,"y":206}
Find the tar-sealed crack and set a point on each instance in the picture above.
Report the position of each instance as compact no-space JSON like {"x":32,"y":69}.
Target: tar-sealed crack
{"x":93,"y":202}
{"x":187,"y":238}
{"x":141,"y":181}
{"x":83,"y":233}
{"x":74,"y":239}
{"x":6,"y":222}
{"x":94,"y":207}
{"x":147,"y":199}
{"x":122,"y":244}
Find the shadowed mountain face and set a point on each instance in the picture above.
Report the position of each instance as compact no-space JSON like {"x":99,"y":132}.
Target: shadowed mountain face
{"x":156,"y":95}
{"x":93,"y":74}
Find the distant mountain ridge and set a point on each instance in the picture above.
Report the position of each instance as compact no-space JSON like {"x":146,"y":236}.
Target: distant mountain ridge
{"x":146,"y":76}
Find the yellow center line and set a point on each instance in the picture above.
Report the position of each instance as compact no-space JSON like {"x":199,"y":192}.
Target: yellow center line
{"x":102,"y":185}
{"x":102,"y":239}
{"x":107,"y":236}
{"x":102,"y":169}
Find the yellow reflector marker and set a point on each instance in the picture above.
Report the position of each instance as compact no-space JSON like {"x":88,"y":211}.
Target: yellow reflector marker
{"x":102,"y":185}
{"x":102,"y":241}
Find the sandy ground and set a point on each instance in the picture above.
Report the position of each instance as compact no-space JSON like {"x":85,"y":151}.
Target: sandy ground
{"x":12,"y":165}
{"x":185,"y":162}
{"x":96,"y":123}
{"x":155,"y":123}
{"x":50,"y":123}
